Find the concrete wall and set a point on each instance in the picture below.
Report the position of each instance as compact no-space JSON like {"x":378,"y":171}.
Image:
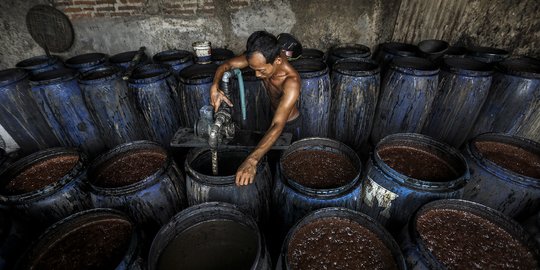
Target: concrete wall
{"x":113,"y":26}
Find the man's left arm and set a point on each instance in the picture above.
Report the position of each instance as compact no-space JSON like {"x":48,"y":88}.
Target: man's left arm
{"x":247,"y":170}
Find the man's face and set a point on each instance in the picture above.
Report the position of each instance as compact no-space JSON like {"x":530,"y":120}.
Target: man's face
{"x":262,"y":69}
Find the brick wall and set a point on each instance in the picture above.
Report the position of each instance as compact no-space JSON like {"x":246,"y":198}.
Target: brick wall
{"x":76,"y":9}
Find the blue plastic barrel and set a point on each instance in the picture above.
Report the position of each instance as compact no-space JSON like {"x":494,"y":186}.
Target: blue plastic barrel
{"x":60,"y":100}
{"x":176,"y":59}
{"x":407,"y":93}
{"x":155,"y":95}
{"x":212,"y":235}
{"x":512,"y":103}
{"x":140,"y":179}
{"x":85,"y":62}
{"x":258,"y":108}
{"x":315,"y":97}
{"x":504,"y":173}
{"x":355,"y":89}
{"x":19,"y":116}
{"x":45,"y":186}
{"x":407,"y":170}
{"x":92,"y":239}
{"x":107,"y":98}
{"x":203,"y":186}
{"x":387,"y":51}
{"x":122,"y":60}
{"x":294,"y":199}
{"x":462,"y":90}
{"x":194,"y":88}
{"x":220,"y":55}
{"x":325,"y":229}
{"x":41,"y":63}
{"x":488,"y":55}
{"x":460,"y":242}
{"x":347,"y":50}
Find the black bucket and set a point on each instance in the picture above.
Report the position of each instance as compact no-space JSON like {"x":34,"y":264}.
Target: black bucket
{"x":488,"y":54}
{"x":346,"y":51}
{"x":209,"y":236}
{"x":339,"y":238}
{"x":46,"y":186}
{"x":202,"y":186}
{"x":459,"y":234}
{"x":140,"y":179}
{"x":433,"y":48}
{"x":92,"y":239}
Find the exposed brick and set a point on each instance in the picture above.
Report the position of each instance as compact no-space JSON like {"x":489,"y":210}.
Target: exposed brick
{"x":101,"y":9}
{"x":128,"y":7}
{"x":99,"y":2}
{"x":123,"y":1}
{"x":88,"y":9}
{"x":72,"y":10}
{"x":120,"y":14}
{"x":136,"y":1}
{"x":80,"y":15}
{"x":84,"y":2}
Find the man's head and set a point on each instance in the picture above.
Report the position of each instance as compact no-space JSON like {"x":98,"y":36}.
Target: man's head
{"x":262,"y":53}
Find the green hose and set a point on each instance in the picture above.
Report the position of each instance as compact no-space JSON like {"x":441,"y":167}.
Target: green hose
{"x":238,"y":74}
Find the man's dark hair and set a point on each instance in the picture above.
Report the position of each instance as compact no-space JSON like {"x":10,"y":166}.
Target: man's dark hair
{"x":264,"y":43}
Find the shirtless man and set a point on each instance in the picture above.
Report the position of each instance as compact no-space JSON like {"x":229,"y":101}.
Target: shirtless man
{"x":263,"y":54}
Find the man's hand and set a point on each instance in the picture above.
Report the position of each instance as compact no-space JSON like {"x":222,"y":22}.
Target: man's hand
{"x":246,"y":172}
{"x":217,"y":96}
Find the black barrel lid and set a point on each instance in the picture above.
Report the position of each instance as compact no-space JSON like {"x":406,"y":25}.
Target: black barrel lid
{"x":356,"y":67}
{"x":52,"y":76}
{"x":198,"y":73}
{"x":351,"y":50}
{"x":86,"y":60}
{"x":415,"y":65}
{"x":467,"y":66}
{"x":309,"y":68}
{"x":400,"y":49}
{"x":522,"y":67}
{"x":173,"y":57}
{"x":11,"y":75}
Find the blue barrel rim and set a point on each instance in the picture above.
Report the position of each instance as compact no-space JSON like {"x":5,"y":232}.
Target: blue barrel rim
{"x":456,"y":51}
{"x":52,"y":77}
{"x":221,"y":54}
{"x":212,"y":180}
{"x":327,"y":145}
{"x":499,"y":171}
{"x":173,"y":57}
{"x":72,"y":219}
{"x":364,"y":67}
{"x":400,"y":178}
{"x":86,"y":60}
{"x":20,"y":165}
{"x":198,"y":74}
{"x":400,"y":48}
{"x":312,"y":53}
{"x":488,"y":52}
{"x":122,"y":149}
{"x":126,"y":57}
{"x":100,"y":75}
{"x":496,"y":217}
{"x":309,"y":68}
{"x":351,"y":215}
{"x":12,"y":75}
{"x":150,"y":73}
{"x":467,"y":66}
{"x":346,"y":50}
{"x":520,"y":67}
{"x":416,"y":66}
{"x":425,"y":46}
{"x":37,"y":62}
{"x":191,"y":212}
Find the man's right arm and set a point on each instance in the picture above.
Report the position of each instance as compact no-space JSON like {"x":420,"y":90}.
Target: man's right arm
{"x":216,"y":95}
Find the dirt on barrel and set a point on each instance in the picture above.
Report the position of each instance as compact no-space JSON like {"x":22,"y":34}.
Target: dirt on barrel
{"x":129,"y":168}
{"x":319,"y":169}
{"x":462,"y":240}
{"x":418,"y":163}
{"x":337,"y":243}
{"x":41,"y":174}
{"x":511,"y":157}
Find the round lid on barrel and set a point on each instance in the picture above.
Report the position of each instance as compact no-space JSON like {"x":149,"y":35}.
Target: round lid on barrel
{"x":351,"y":50}
{"x":467,"y":66}
{"x":310,"y":68}
{"x":52,"y":76}
{"x":173,"y":57}
{"x":126,"y":57}
{"x":198,"y":73}
{"x":356,"y":67}
{"x":522,"y":67}
{"x":37,"y":62}
{"x":9,"y":76}
{"x":99,"y":75}
{"x":150,"y":73}
{"x":415,"y":66}
{"x":400,"y":49}
{"x":86,"y":60}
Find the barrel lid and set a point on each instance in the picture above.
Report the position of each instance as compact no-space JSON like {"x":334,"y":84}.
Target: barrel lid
{"x":100,"y":74}
{"x":11,"y":75}
{"x":356,"y":67}
{"x":52,"y":76}
{"x":488,"y":54}
{"x":455,"y":51}
{"x":149,"y":73}
{"x":221,"y":54}
{"x":312,"y":53}
{"x":310,"y":67}
{"x":198,"y":73}
{"x":521,"y":67}
{"x":414,"y":65}
{"x":350,"y":50}
{"x":433,"y":46}
{"x":37,"y":62}
{"x":467,"y":66}
{"x":173,"y":57}
{"x":126,"y":57}
{"x":86,"y":60}
{"x":400,"y":49}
